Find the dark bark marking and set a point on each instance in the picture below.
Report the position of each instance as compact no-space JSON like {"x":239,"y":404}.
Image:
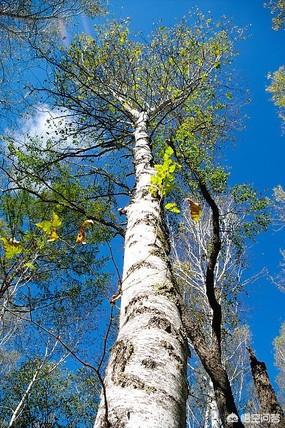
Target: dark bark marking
{"x":138,"y":265}
{"x":130,"y":237}
{"x":149,"y":363}
{"x":142,"y":310}
{"x":171,"y":351}
{"x":123,"y":351}
{"x":132,"y":243}
{"x":161,"y":323}
{"x":138,"y":299}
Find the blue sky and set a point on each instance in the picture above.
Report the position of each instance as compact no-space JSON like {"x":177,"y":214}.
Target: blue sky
{"x":257,"y":156}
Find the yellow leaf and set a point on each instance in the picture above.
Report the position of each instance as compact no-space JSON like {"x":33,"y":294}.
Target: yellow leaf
{"x":45,"y":226}
{"x":53,"y":236}
{"x":81,"y":236}
{"x":87,"y":223}
{"x":49,"y":227}
{"x":80,"y":239}
{"x":56,"y":222}
{"x":30,"y":265}
{"x":195,"y":210}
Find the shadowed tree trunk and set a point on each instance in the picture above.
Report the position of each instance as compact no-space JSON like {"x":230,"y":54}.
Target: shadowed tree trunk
{"x":266,"y":395}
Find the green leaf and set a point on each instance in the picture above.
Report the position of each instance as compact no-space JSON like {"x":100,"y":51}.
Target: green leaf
{"x":162,"y":182}
{"x":30,"y":265}
{"x":172,"y":207}
{"x":11,"y":248}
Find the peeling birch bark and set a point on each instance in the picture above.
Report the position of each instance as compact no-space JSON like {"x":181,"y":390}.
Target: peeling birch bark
{"x":145,"y":379}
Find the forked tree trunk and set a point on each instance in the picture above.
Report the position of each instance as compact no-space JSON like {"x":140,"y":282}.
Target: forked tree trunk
{"x":145,"y":381}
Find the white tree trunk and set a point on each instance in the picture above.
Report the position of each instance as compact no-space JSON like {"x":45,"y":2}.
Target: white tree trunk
{"x":212,"y":416}
{"x":145,"y":380}
{"x":213,"y":407}
{"x":19,"y":408}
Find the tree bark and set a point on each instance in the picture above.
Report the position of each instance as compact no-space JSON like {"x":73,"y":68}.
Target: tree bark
{"x":145,"y":381}
{"x":213,"y":408}
{"x":213,"y":365}
{"x":265,"y":392}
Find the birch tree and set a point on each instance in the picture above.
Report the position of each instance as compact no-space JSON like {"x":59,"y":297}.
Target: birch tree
{"x":115,"y":89}
{"x":190,"y":244}
{"x":121,"y":92}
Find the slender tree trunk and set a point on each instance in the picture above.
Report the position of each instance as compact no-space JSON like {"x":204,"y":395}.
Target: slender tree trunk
{"x":266,"y":395}
{"x":145,"y":382}
{"x":212,"y":419}
{"x":213,"y":407}
{"x":22,"y":402}
{"x":211,"y":360}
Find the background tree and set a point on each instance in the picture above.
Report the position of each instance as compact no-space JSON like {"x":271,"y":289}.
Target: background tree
{"x":23,"y":26}
{"x":279,"y":347}
{"x":190,"y":244}
{"x":278,"y":10}
{"x":50,"y":291}
{"x":277,"y":86}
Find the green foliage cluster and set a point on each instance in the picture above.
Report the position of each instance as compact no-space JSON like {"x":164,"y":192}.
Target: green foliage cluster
{"x":61,"y":283}
{"x":59,"y":397}
{"x":196,"y":149}
{"x":278,"y":10}
{"x":142,"y":74}
{"x":255,"y":210}
{"x":196,"y":146}
{"x":217,"y":178}
{"x":162,"y":183}
{"x":277,"y":89}
{"x":34,"y":252}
